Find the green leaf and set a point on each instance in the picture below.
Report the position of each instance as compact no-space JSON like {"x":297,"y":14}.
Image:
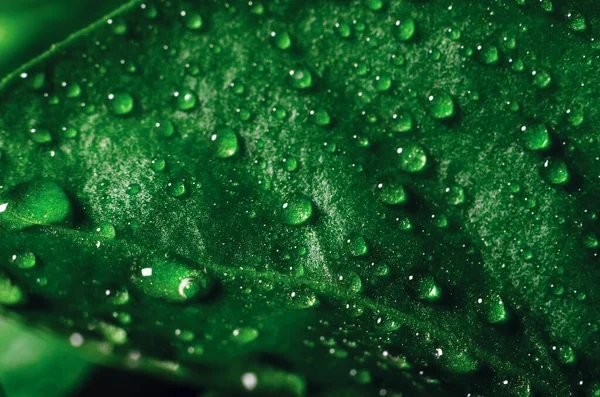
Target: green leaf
{"x":35,"y":364}
{"x":305,"y":198}
{"x":28,"y":27}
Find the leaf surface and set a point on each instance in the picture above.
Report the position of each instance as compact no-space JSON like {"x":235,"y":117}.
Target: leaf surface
{"x":300,"y":196}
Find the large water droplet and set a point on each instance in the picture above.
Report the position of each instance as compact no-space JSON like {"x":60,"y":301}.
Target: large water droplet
{"x":39,"y":202}
{"x":173,"y":281}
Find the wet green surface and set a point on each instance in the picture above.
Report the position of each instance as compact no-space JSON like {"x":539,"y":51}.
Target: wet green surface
{"x":304,"y":197}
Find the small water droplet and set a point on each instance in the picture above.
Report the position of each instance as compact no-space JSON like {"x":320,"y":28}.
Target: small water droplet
{"x":121,"y":103}
{"x":243,"y":335}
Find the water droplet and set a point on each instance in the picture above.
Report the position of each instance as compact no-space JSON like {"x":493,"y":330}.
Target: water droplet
{"x":402,"y":121}
{"x":23,"y":260}
{"x":73,"y":90}
{"x":556,"y":171}
{"x":343,"y":30}
{"x":413,"y":158}
{"x":492,"y":308}
{"x":173,"y":281}
{"x":69,"y":132}
{"x":441,"y":105}
{"x":39,"y":202}
{"x":404,"y":29}
{"x":426,"y":289}
{"x":40,"y":135}
{"x":577,"y":21}
{"x":133,"y":189}
{"x":591,"y":240}
{"x":301,"y":79}
{"x":536,"y":137}
{"x":164,"y":129}
{"x":283,"y":41}
{"x":121,"y":103}
{"x":118,"y":296}
{"x":374,"y":5}
{"x":244,"y":335}
{"x":225,"y":142}
{"x":455,"y":195}
{"x":112,"y":333}
{"x":105,"y":230}
{"x":392,"y":194}
{"x":297,"y":211}
{"x":158,"y":165}
{"x":176,"y":189}
{"x":320,"y":117}
{"x":383,"y":83}
{"x":290,"y":164}
{"x":192,"y":20}
{"x":575,"y":117}
{"x":489,"y":55}
{"x":565,"y":354}
{"x":10,"y":293}
{"x":185,"y":99}
{"x":357,"y":245}
{"x":541,"y":79}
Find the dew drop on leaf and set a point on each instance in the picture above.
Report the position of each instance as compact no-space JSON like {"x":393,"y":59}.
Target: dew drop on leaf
{"x":301,"y":79}
{"x":357,"y":245}
{"x":392,"y":194}
{"x":10,"y":293}
{"x":40,"y":202}
{"x":404,"y":29}
{"x":173,"y":281}
{"x":413,"y":158}
{"x":441,"y":105}
{"x":185,"y":99}
{"x":535,"y":137}
{"x":225,"y":142}
{"x":297,"y":211}
{"x":121,"y":103}
{"x":23,"y":260}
